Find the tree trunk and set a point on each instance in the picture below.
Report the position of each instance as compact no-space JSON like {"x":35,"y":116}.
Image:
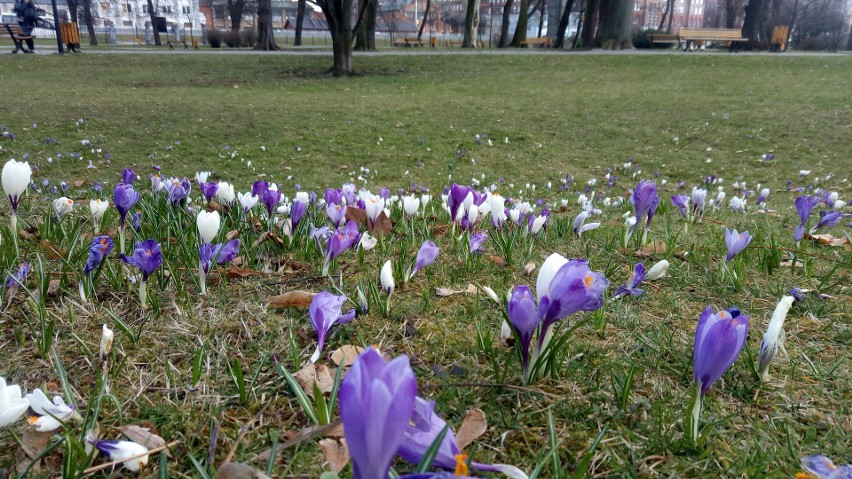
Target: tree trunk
{"x":235,"y":10}
{"x":151,"y":15}
{"x":521,"y":27}
{"x":685,"y":23}
{"x":663,"y":16}
{"x":563,"y":25}
{"x":265,"y":32}
{"x":504,"y":24}
{"x":300,"y":20}
{"x":542,"y":5}
{"x":730,"y":14}
{"x":366,"y":38}
{"x":616,"y":20}
{"x":554,"y":11}
{"x":338,"y":15}
{"x":72,"y":10}
{"x":425,"y":19}
{"x":753,"y":23}
{"x":471,"y":24}
{"x":580,"y":8}
{"x":590,"y":23}
{"x":848,"y":40}
{"x":90,"y":24}
{"x":671,"y":17}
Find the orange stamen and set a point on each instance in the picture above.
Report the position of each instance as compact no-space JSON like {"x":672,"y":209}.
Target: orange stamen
{"x":461,"y":465}
{"x":32,"y":420}
{"x":589,"y":280}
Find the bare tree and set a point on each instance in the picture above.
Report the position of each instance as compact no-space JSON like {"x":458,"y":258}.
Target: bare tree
{"x":563,"y":25}
{"x":365,"y":40}
{"x":590,"y":23}
{"x":235,"y":10}
{"x":616,"y":20}
{"x":88,"y":18}
{"x":265,"y":31}
{"x":152,"y":16}
{"x":338,"y":15}
{"x":471,"y":24}
{"x":300,"y":20}
{"x":753,"y":25}
{"x":505,"y":23}
{"x":425,"y":18}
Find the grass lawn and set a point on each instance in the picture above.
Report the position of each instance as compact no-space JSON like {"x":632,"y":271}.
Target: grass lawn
{"x":406,"y":120}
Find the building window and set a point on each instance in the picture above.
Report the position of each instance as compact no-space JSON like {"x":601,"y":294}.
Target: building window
{"x":127,"y":8}
{"x":186,"y":9}
{"x":127,"y":23}
{"x":637,"y":7}
{"x":144,"y":8}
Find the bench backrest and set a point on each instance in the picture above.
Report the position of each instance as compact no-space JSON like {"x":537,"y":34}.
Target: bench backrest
{"x":710,"y":33}
{"x":70,"y":34}
{"x":14,"y":29}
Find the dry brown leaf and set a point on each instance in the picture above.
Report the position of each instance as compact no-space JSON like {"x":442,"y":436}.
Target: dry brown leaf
{"x":471,"y":288}
{"x":53,"y":287}
{"x":232,"y":234}
{"x":658,"y":246}
{"x":291,"y":299}
{"x":828,"y":240}
{"x":234,"y":272}
{"x":383,"y":226}
{"x":53,"y":251}
{"x":33,"y":443}
{"x":314,"y":373}
{"x":473,"y":426}
{"x":497,"y":260}
{"x":24,"y":234}
{"x":79,"y":183}
{"x":267,"y":236}
{"x":142,"y":435}
{"x":336,"y":453}
{"x":236,"y":470}
{"x":357,"y":215}
{"x":443,"y":292}
{"x":346,"y":355}
{"x":214,"y":206}
{"x":529,"y":268}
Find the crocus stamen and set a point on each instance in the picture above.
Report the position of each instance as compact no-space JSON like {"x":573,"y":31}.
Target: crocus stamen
{"x":588,"y":280}
{"x":461,"y":465}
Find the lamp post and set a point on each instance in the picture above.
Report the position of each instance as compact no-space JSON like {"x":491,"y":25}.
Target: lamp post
{"x":56,"y":28}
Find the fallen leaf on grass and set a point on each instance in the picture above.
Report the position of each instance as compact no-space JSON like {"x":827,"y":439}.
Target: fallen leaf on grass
{"x":473,"y":426}
{"x":143,"y":436}
{"x":497,"y":260}
{"x":53,"y":287}
{"x":291,"y":299}
{"x":311,"y":374}
{"x":828,"y":240}
{"x":382,"y":226}
{"x":444,"y":292}
{"x":346,"y":355}
{"x":267,"y":236}
{"x":336,"y":453}
{"x":232,"y":234}
{"x":234,"y":272}
{"x":33,"y":443}
{"x":658,"y":246}
{"x":53,"y":251}
{"x":79,"y":183}
{"x":357,"y":215}
{"x":236,"y":470}
{"x":471,"y":288}
{"x":529,"y":268}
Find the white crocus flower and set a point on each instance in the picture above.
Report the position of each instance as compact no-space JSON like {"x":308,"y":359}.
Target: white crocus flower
{"x":490,"y":293}
{"x":303,"y":196}
{"x":386,"y":278}
{"x":98,"y":208}
{"x":424,"y":200}
{"x":247,"y":200}
{"x":224,"y":193}
{"x":202,"y":176}
{"x":367,"y":242}
{"x":472,"y":214}
{"x":208,"y":225}
{"x":12,"y":404}
{"x":50,"y":415}
{"x":107,"y":336}
{"x":498,"y":209}
{"x":411,"y":205}
{"x":374,"y":206}
{"x":537,"y":224}
{"x":657,"y":271}
{"x":125,"y":452}
{"x":545,"y":275}
{"x":772,"y":339}
{"x":62,"y":206}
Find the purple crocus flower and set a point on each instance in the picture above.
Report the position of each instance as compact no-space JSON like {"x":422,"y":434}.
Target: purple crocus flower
{"x":344,"y":238}
{"x":376,"y":402}
{"x":128,"y":177}
{"x":681,"y":202}
{"x":524,"y":319}
{"x":822,"y":467}
{"x":101,"y":247}
{"x":735,"y":242}
{"x":645,"y":201}
{"x":719,"y":339}
{"x":827,"y":220}
{"x":270,"y":199}
{"x":384,"y":193}
{"x":297,"y":212}
{"x":797,"y":294}
{"x":259,"y":187}
{"x":457,"y":195}
{"x":209,"y":189}
{"x":146,"y":256}
{"x":18,"y":277}
{"x":325,"y":312}
{"x":124,"y":197}
{"x":425,"y":256}
{"x":804,"y":207}
{"x":422,"y":431}
{"x":632,"y":287}
{"x":699,"y":201}
{"x":476,"y":242}
{"x":222,"y":253}
{"x":178,"y":190}
{"x":136,"y":224}
{"x":574,"y":288}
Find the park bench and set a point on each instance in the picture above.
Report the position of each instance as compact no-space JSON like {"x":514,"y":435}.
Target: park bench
{"x":662,"y":38}
{"x":172,"y":45}
{"x":70,"y":35}
{"x":545,"y":42}
{"x":779,"y":38}
{"x":726,"y":35}
{"x":14,"y":31}
{"x":453,"y":43}
{"x":408,"y":42}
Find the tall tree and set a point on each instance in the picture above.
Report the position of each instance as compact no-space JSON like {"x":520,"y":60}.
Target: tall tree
{"x":730,"y":14}
{"x":505,"y":23}
{"x":338,"y":15}
{"x":521,"y":26}
{"x":265,"y":32}
{"x":753,"y":23}
{"x":90,"y":22}
{"x":300,"y":20}
{"x":687,"y":14}
{"x":590,"y":23}
{"x":615,"y":23}
{"x":72,"y":9}
{"x":235,"y":10}
{"x":563,"y":25}
{"x":152,"y":16}
{"x":471,"y":24}
{"x":365,"y":40}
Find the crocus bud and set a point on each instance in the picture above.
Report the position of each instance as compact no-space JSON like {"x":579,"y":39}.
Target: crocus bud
{"x":490,"y":293}
{"x":98,"y":208}
{"x":208,"y":225}
{"x":106,"y":342}
{"x":657,"y":271}
{"x":772,"y":337}
{"x":16,"y":180}
{"x":63,"y":206}
{"x":126,"y":452}
{"x":386,"y":278}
